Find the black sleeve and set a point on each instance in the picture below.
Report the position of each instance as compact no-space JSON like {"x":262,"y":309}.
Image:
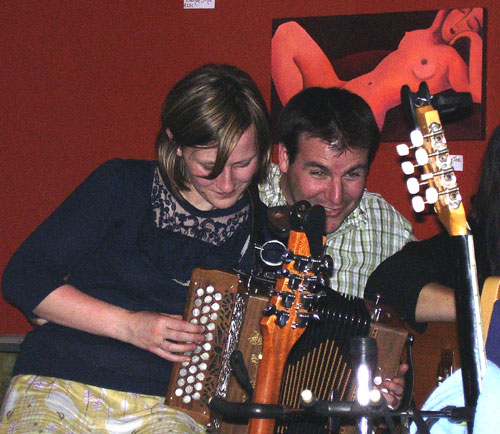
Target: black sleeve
{"x":400,"y":278}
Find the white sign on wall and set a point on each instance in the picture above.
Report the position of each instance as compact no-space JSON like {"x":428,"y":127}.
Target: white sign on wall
{"x":457,"y":161}
{"x":199,"y":4}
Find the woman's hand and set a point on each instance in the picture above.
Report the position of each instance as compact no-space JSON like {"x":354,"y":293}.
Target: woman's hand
{"x":167,"y":336}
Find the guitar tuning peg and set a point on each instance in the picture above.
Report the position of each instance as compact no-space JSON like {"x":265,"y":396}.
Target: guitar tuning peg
{"x":417,"y":141}
{"x":413,"y":185}
{"x":453,"y":198}
{"x":287,"y":256}
{"x":416,"y":138}
{"x":431,"y":196}
{"x":418,"y":204}
{"x":283,"y":272}
{"x":408,"y":167}
{"x":326,"y":265}
{"x":421,"y":156}
{"x":282,"y":317}
{"x":287,"y":299}
{"x":402,"y":149}
{"x":269,"y":310}
{"x":303,"y":318}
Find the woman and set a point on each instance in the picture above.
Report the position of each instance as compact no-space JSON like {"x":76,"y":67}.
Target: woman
{"x":106,"y":274}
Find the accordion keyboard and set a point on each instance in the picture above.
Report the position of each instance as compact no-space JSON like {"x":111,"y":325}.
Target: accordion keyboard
{"x":212,"y":302}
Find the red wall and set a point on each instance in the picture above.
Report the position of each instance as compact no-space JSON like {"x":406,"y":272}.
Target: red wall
{"x":83,"y":81}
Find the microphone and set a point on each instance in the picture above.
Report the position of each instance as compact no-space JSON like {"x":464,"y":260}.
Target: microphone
{"x":363,"y":354}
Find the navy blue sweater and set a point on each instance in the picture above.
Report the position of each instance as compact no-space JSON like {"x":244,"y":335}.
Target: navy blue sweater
{"x":102,"y":240}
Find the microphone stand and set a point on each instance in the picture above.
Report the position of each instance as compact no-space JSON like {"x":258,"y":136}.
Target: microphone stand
{"x":363,"y":354}
{"x":369,"y":404}
{"x":311,"y":406}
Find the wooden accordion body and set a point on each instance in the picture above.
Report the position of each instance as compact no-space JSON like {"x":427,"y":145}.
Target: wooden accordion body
{"x":319,"y":361}
{"x":231,"y":312}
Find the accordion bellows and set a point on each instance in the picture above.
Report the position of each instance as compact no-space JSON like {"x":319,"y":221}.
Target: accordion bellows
{"x":231,"y":310}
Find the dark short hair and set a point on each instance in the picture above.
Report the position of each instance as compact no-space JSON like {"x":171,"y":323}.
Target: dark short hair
{"x":212,"y":106}
{"x":335,"y":115}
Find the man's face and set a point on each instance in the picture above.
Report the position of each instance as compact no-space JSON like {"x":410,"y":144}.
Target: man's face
{"x":323,"y":176}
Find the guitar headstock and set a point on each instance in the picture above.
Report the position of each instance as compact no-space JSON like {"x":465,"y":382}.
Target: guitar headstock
{"x":433,"y":172}
{"x":301,"y":270}
{"x":285,"y":318}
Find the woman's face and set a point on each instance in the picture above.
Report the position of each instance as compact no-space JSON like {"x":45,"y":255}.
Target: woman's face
{"x":223,"y":191}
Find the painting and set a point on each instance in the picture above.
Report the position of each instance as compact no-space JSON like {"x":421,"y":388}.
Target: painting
{"x":375,"y":55}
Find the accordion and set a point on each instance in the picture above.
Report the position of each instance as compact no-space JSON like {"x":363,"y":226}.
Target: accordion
{"x":230,"y":311}
{"x":231,"y":307}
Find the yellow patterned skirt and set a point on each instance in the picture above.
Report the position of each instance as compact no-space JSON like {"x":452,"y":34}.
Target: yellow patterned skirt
{"x":36,"y":404}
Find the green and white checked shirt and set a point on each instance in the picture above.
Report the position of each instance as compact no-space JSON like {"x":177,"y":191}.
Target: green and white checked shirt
{"x":371,"y":233}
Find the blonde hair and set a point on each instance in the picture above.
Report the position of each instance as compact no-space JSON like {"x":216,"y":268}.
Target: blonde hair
{"x":212,"y":106}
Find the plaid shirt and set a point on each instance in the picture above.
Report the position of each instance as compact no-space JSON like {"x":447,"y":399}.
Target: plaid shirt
{"x":371,"y":233}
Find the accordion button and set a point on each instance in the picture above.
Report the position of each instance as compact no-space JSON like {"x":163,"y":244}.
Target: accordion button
{"x":209,"y":336}
{"x":210,"y":289}
{"x":189,"y":389}
{"x":200,"y":376}
{"x":203,"y":366}
{"x":205,"y":356}
{"x":205,"y":309}
{"x":198,"y":386}
{"x":208,"y":299}
{"x":196,"y":396}
{"x":218,"y":296}
{"x":195,"y":359}
{"x":196,"y":312}
{"x":197,"y":350}
{"x":200,"y":292}
{"x":190,"y":379}
{"x":180,"y":382}
{"x":192,"y":369}
{"x":182,"y":372}
{"x":194,"y":321}
{"x":178,"y":392}
{"x":186,"y":399}
{"x":197,"y":302}
{"x":203,"y":319}
{"x":216,"y":306}
{"x":214,"y":316}
{"x":211,"y":326}
{"x":207,"y":346}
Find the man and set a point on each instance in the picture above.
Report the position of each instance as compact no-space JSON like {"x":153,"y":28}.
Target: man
{"x":328,"y":139}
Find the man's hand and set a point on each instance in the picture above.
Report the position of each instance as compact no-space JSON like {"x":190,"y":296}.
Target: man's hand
{"x":393,"y":390}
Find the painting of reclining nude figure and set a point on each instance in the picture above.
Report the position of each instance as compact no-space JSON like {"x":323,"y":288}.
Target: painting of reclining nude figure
{"x":375,"y":55}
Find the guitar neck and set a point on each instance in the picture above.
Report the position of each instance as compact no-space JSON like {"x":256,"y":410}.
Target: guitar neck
{"x":470,"y":329}
{"x":274,"y":354}
{"x":441,"y":189}
{"x":285,"y":318}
